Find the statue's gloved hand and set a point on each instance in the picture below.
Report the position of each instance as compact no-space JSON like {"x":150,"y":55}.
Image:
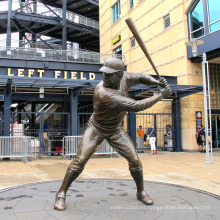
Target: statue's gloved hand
{"x":163,"y":82}
{"x":166,"y":92}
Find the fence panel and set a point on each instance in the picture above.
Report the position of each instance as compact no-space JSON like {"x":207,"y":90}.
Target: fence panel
{"x":1,"y":124}
{"x":48,"y":128}
{"x":162,"y":124}
{"x":71,"y":144}
{"x":17,"y":147}
{"x":83,"y":119}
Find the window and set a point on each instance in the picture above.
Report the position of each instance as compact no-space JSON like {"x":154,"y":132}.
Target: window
{"x":214,"y":76}
{"x":132,"y":42}
{"x":214,"y":15}
{"x":118,"y":52}
{"x":116,"y":12}
{"x":131,"y":3}
{"x":166,"y":21}
{"x":204,"y":18}
{"x":196,"y":20}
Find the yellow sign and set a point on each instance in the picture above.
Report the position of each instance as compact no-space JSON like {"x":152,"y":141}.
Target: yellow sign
{"x":116,"y":39}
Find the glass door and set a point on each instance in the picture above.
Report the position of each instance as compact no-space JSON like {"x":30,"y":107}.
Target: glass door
{"x":216,"y":131}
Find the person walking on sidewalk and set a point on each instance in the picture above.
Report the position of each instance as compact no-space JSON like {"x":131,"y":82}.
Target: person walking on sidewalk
{"x":140,"y":133}
{"x":202,"y":139}
{"x":152,"y":138}
{"x":209,"y":138}
{"x":111,"y":102}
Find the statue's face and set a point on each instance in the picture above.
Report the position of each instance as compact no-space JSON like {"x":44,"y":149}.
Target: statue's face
{"x":112,"y":80}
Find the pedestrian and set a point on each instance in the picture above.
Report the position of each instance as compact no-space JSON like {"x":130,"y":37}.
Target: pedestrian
{"x":202,"y":139}
{"x":111,"y":103}
{"x":140,"y":133}
{"x":197,"y":136}
{"x":209,"y":137}
{"x":152,"y":138}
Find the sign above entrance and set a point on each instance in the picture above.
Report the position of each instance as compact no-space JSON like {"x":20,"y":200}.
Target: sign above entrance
{"x":198,"y":120}
{"x":56,"y":74}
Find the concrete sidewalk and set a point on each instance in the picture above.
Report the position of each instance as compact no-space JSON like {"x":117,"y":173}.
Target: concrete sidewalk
{"x":186,"y":169}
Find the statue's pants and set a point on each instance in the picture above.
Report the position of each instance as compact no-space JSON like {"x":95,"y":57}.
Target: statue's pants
{"x":118,"y":139}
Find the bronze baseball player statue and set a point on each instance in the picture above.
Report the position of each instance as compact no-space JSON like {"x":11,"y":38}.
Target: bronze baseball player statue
{"x":111,"y":102}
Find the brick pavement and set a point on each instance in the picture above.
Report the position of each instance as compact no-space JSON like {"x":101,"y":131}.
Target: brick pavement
{"x":187,"y":169}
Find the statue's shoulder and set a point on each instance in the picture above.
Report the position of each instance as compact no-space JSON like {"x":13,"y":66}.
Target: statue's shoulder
{"x":125,"y":80}
{"x":99,"y":88}
{"x":103,"y":94}
{"x":127,"y":75}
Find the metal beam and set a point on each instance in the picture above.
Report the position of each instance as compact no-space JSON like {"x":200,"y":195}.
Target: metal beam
{"x":7,"y":103}
{"x":37,"y":18}
{"x":80,"y":89}
{"x":47,"y":30}
{"x":52,"y":65}
{"x":8,"y":39}
{"x":50,"y":9}
{"x":184,"y":94}
{"x":32,"y":32}
{"x":131,"y":123}
{"x":177,"y":125}
{"x":73,"y":113}
{"x":19,"y":29}
{"x":86,"y":29}
{"x":64,"y":26}
{"x":94,"y":2}
{"x":52,"y":3}
{"x":22,"y":7}
{"x":70,"y":3}
{"x":35,"y":97}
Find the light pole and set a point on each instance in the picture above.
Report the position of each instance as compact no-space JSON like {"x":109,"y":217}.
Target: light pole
{"x":206,"y":92}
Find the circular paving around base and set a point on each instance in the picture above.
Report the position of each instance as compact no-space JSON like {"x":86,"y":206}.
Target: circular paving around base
{"x":107,"y":199}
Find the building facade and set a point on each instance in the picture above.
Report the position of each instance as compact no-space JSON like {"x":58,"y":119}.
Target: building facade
{"x":165,"y":27}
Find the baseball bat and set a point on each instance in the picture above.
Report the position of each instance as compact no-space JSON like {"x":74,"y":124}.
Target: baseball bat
{"x":140,"y":41}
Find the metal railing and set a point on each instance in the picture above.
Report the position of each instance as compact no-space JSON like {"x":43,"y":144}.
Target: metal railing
{"x":71,"y":144}
{"x":55,"y":55}
{"x":17,"y":146}
{"x":54,"y":12}
{"x":37,"y":44}
{"x":72,"y":17}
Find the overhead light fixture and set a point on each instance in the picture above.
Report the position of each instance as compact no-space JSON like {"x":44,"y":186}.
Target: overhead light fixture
{"x":14,"y":105}
{"x":41,"y":92}
{"x":194,"y":43}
